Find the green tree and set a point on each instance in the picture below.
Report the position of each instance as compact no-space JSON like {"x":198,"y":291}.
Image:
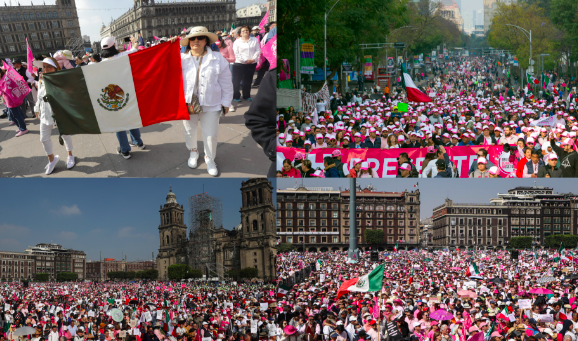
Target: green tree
{"x":249,"y":273}
{"x":285,"y":247}
{"x":178,"y":271}
{"x":554,"y":241}
{"x":373,"y":236}
{"x":41,"y":277}
{"x":545,"y":36}
{"x":350,"y":23}
{"x":194,"y":273}
{"x":563,"y":14}
{"x":66,"y":276}
{"x":521,"y":242}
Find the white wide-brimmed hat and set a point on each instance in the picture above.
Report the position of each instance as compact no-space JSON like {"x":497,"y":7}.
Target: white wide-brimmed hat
{"x":199,"y":31}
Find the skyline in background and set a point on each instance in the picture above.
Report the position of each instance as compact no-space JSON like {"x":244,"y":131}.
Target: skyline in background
{"x":118,"y":216}
{"x":433,"y":192}
{"x":92,"y":14}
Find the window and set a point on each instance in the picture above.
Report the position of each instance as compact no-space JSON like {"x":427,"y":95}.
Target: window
{"x":18,"y":27}
{"x":43,"y":15}
{"x":289,"y":214}
{"x":312,"y":214}
{"x":42,"y":25}
{"x":54,"y":24}
{"x":45,"y":34}
{"x":289,"y":240}
{"x":9,"y":39}
{"x":57,"y":34}
{"x":38,"y":16}
{"x":312,"y":222}
{"x":30,"y":26}
{"x":55,"y":15}
{"x":21,"y":37}
{"x":311,"y":206}
{"x":335,"y":214}
{"x":5,"y":28}
{"x":289,"y":222}
{"x":289,"y":206}
{"x":334,"y":239}
{"x":300,"y":206}
{"x":312,"y":239}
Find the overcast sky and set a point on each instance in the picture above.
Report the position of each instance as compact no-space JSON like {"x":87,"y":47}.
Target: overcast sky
{"x":93,"y":13}
{"x":117,"y":216}
{"x":433,"y":192}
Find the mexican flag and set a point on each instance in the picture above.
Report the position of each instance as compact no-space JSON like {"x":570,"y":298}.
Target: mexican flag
{"x":545,"y":81}
{"x":413,"y":93}
{"x":562,"y":252}
{"x":529,"y":92}
{"x":282,"y":290}
{"x":503,"y":314}
{"x":472,"y":270}
{"x":318,"y":265}
{"x":396,"y":248}
{"x":370,"y":282}
{"x":127,"y":92}
{"x":532,"y":79}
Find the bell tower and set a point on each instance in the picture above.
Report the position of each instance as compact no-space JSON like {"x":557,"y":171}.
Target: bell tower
{"x":172,"y":234}
{"x":258,"y":235}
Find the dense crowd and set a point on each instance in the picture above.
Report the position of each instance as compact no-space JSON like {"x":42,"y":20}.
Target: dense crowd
{"x":475,"y":103}
{"x":431,"y":296}
{"x":141,"y":311}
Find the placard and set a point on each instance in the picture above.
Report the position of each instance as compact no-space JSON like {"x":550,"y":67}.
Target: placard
{"x":263,"y":306}
{"x":524,"y":304}
{"x":148,"y":317}
{"x":393,"y":333}
{"x":544,"y":317}
{"x":322,"y":278}
{"x":91,"y":313}
{"x":253,"y":327}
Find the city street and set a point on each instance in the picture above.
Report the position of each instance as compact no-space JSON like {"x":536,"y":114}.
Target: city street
{"x":165,"y":155}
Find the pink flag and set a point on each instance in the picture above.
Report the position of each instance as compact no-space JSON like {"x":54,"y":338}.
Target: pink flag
{"x":130,"y":46}
{"x":156,"y":38}
{"x":264,"y":22}
{"x":185,"y":29}
{"x":29,"y":57}
{"x":13,"y":87}
{"x":375,"y":309}
{"x":270,"y":52}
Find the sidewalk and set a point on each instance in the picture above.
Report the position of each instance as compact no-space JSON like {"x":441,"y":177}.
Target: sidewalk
{"x":165,"y":155}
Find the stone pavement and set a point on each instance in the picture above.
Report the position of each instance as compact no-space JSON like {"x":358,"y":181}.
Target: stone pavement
{"x":165,"y":155}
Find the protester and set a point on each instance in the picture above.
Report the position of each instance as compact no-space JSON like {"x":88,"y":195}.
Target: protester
{"x":43,"y":112}
{"x":14,"y":110}
{"x":212,"y":87}
{"x":247,"y":51}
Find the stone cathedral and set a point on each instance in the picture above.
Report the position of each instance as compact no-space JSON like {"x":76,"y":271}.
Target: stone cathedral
{"x":252,"y":243}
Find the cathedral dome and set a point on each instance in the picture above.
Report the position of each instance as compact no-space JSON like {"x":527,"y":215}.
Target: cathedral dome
{"x":171,"y":197}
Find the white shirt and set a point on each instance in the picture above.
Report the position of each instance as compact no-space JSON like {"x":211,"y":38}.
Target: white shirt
{"x":320,"y":106}
{"x":245,"y":50}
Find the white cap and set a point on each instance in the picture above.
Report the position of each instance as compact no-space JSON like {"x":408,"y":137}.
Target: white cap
{"x":107,"y":42}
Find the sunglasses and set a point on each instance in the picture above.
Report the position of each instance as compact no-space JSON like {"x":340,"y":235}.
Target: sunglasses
{"x":198,"y":38}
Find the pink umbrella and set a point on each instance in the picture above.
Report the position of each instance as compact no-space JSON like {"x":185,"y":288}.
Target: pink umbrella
{"x":541,"y":291}
{"x":456,"y":268}
{"x":441,"y":315}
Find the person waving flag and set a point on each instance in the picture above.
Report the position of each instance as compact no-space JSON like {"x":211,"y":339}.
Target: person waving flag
{"x":413,"y":93}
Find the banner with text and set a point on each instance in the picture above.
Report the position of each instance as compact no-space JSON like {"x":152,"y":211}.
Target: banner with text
{"x":384,"y":162}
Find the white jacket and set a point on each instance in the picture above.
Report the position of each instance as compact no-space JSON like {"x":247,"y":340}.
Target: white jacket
{"x":215,"y":81}
{"x":43,"y":108}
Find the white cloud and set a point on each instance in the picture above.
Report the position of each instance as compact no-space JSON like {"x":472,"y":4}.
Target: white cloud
{"x":131,"y":232}
{"x":67,"y":235}
{"x":13,"y":230}
{"x":68,"y":210}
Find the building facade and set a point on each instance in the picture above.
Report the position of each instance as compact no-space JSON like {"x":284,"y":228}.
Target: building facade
{"x":250,"y":244}
{"x":451,"y":11}
{"x":98,"y":270}
{"x":53,"y":259}
{"x":47,"y":27}
{"x":317,"y":219}
{"x":490,"y":7}
{"x":523,"y":211}
{"x":160,"y":19}
{"x":17,"y":266}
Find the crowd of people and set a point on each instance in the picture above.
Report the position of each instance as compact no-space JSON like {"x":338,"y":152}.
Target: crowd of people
{"x":137,"y":311}
{"x":446,"y":295}
{"x":475,"y":103}
{"x":226,"y":61}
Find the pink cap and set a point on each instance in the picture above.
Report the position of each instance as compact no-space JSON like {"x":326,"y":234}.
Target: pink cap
{"x":336,"y":152}
{"x":405,"y":166}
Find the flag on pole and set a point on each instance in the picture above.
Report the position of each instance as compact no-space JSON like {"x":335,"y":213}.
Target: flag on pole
{"x":318,"y":265}
{"x":282,"y":290}
{"x":264,"y":22}
{"x":532,"y":79}
{"x":370,"y":282}
{"x":413,"y":93}
{"x":472,"y":270}
{"x":396,"y":248}
{"x":416,"y":184}
{"x":562,"y":252}
{"x":119,"y":94}
{"x":29,"y":56}
{"x":545,"y":81}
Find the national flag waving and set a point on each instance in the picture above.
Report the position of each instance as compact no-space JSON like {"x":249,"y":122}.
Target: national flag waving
{"x":562,"y":252}
{"x":370,"y":282}
{"x":132,"y":91}
{"x":318,"y":265}
{"x":545,"y":81}
{"x":282,"y":290}
{"x":532,"y":79}
{"x":472,"y":270}
{"x":411,"y":90}
{"x":396,"y":248}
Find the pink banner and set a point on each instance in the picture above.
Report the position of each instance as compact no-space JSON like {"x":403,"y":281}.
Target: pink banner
{"x":384,"y":162}
{"x":285,"y":72}
{"x":29,"y":56}
{"x":13,"y":87}
{"x":270,"y":52}
{"x":264,"y":22}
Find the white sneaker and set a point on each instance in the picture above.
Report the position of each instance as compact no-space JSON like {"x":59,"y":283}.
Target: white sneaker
{"x":232,"y":108}
{"x":50,"y":166}
{"x":193,"y":159}
{"x":70,"y":162}
{"x":211,"y":166}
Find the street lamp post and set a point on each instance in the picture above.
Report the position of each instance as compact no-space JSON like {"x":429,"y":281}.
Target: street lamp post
{"x":325,"y":41}
{"x":528,"y":35}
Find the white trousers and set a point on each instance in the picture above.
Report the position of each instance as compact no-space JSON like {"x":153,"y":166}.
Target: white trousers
{"x":209,"y":122}
{"x":45,"y":132}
